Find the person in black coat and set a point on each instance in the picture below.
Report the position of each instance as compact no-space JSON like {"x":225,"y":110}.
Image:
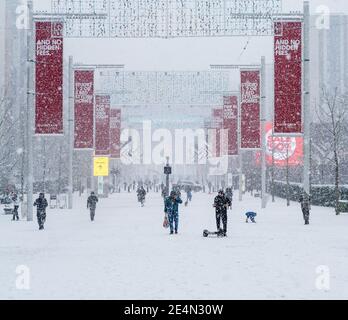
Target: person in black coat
{"x":92,"y":204}
{"x":141,"y":193}
{"x":229,"y":195}
{"x":305,"y":202}
{"x":221,"y":203}
{"x":41,"y":204}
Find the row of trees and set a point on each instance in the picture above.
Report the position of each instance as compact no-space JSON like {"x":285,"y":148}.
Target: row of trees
{"x":331,"y":136}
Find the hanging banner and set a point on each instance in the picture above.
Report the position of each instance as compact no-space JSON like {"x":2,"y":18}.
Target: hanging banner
{"x":282,"y":151}
{"x":115,"y":133}
{"x":288,"y":78}
{"x":250,"y":110}
{"x":230,"y":123}
{"x":84,"y":109}
{"x":49,"y":79}
{"x":102,"y":125}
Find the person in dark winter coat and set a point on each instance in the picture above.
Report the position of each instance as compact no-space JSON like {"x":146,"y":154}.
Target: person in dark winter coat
{"x":305,"y":201}
{"x":41,"y":204}
{"x":141,"y":195}
{"x":188,"y":191}
{"x":221,"y":203}
{"x":229,"y":195}
{"x":92,"y":204}
{"x":171,"y":208}
{"x":15,"y":207}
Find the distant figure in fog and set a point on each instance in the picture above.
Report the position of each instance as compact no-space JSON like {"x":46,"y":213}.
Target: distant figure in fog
{"x":229,"y":195}
{"x":305,"y":202}
{"x":15,"y":207}
{"x":141,"y":193}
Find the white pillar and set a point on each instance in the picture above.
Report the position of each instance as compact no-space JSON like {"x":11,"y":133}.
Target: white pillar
{"x":70,"y":131}
{"x":263,"y":133}
{"x":30,"y":100}
{"x":306,"y":98}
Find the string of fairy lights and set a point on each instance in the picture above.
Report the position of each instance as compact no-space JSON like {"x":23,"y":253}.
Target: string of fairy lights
{"x":166,"y":18}
{"x":129,"y":88}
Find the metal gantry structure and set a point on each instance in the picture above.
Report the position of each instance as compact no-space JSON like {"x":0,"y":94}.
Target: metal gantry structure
{"x":143,"y":88}
{"x":166,"y":18}
{"x":163,"y":19}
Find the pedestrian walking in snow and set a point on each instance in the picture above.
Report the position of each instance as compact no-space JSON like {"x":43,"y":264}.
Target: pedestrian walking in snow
{"x":141,"y":193}
{"x":15,"y":207}
{"x":229,"y":195}
{"x":188,"y":195}
{"x":92,"y":204}
{"x":171,"y":209}
{"x":221,"y":203}
{"x":210,"y":187}
{"x":41,"y":204}
{"x":306,"y":207}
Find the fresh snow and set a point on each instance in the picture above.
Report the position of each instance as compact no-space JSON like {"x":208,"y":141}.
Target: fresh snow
{"x":127,"y":254}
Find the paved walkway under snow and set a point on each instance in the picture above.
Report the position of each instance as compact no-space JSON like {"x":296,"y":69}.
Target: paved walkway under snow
{"x":126,"y":253}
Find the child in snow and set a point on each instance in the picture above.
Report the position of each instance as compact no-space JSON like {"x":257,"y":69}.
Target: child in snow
{"x":251,"y":216}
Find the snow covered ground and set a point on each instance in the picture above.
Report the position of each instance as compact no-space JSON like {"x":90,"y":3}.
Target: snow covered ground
{"x":126,"y":253}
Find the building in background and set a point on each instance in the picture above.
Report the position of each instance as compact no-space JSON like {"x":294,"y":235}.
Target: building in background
{"x":13,"y":79}
{"x":2,"y":45}
{"x":329,"y":57}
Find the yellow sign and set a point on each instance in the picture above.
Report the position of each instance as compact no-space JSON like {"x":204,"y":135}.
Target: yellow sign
{"x":101,"y":167}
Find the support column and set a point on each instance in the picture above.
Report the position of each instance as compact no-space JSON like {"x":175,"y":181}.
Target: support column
{"x":263,"y":134}
{"x":70,"y":132}
{"x":306,"y":99}
{"x":30,"y":103}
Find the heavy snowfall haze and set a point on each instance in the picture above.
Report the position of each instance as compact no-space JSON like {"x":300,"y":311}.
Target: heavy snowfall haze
{"x":181,"y":54}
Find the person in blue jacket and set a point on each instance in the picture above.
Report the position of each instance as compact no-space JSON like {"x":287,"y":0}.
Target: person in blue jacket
{"x":171,"y":208}
{"x":251,"y":216}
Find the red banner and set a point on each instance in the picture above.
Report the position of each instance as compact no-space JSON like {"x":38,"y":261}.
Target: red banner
{"x":230,"y":122}
{"x":250,"y":110}
{"x":84,"y":109}
{"x":288,"y":77}
{"x":49,"y":79}
{"x":115,"y":133}
{"x":102,"y":125}
{"x":284,"y":150}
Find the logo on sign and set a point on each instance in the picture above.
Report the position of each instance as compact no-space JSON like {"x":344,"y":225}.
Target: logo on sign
{"x":229,"y":112}
{"x":249,"y":92}
{"x":282,"y":148}
{"x":83,"y":92}
{"x":284,"y":47}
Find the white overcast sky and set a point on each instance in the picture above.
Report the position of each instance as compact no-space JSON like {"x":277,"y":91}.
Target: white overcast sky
{"x":180,"y":54}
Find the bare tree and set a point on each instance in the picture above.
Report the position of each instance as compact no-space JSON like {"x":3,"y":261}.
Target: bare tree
{"x":332,"y":114}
